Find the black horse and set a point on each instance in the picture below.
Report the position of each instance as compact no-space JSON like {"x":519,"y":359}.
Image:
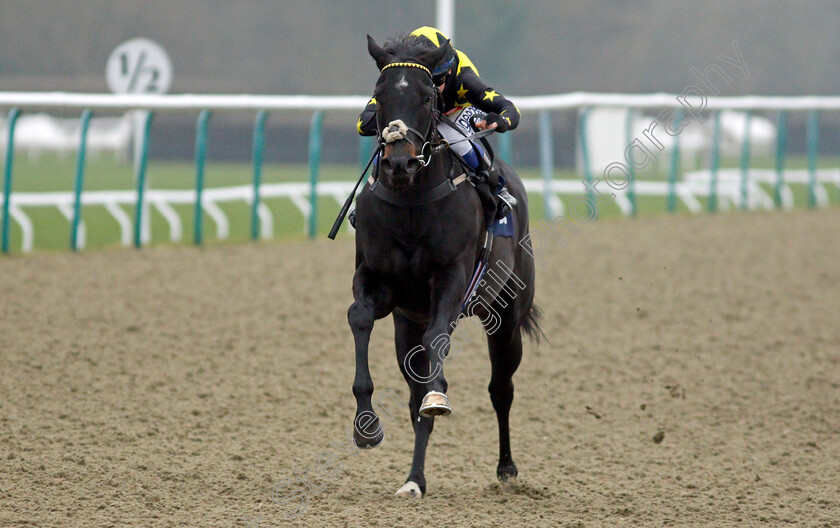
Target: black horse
{"x":420,"y":231}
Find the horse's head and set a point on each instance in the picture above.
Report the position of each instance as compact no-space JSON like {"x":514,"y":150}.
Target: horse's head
{"x":406,"y":100}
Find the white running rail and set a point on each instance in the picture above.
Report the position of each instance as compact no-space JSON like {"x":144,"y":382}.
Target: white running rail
{"x":696,"y":184}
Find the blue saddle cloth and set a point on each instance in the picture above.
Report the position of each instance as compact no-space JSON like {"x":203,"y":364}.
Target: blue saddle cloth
{"x":504,"y":227}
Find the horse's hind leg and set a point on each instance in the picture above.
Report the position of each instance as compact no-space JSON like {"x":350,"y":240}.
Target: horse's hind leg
{"x":408,"y":336}
{"x":505,"y":354}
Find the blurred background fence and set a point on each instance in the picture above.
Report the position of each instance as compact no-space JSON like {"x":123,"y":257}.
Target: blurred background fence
{"x":135,"y":169}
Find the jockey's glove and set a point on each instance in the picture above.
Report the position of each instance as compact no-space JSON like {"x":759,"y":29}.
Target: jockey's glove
{"x":502,"y":124}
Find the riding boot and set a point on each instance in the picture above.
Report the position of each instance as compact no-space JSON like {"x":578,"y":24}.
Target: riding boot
{"x":505,"y":201}
{"x":497,"y":198}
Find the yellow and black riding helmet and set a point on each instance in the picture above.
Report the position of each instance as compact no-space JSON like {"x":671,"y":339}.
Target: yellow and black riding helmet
{"x":437,"y":39}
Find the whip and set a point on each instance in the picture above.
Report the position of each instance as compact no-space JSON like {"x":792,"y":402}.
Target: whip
{"x":347,"y":203}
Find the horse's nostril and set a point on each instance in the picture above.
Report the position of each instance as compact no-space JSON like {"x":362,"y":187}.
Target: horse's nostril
{"x":413,"y":165}
{"x":385,"y":163}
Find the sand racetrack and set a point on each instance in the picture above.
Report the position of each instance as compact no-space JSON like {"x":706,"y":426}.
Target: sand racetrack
{"x":177,"y":386}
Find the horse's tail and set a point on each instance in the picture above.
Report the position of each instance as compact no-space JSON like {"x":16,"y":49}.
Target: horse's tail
{"x":531,"y":324}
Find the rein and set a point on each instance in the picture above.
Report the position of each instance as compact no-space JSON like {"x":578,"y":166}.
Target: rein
{"x":443,"y":145}
{"x":397,"y":129}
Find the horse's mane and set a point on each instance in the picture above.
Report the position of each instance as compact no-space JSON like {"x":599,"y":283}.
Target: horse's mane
{"x":406,"y":47}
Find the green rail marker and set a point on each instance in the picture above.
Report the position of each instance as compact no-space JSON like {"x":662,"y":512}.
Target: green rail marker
{"x":258,"y":149}
{"x":745,"y":162}
{"x":671,"y":201}
{"x":141,"y":182}
{"x":813,"y":147}
{"x":628,"y":140}
{"x":7,"y":178}
{"x":584,"y":153}
{"x":314,"y":165}
{"x":505,"y":143}
{"x":80,"y":181}
{"x":781,"y":148}
{"x":200,"y":159}
{"x":546,"y":161}
{"x":714,"y":165}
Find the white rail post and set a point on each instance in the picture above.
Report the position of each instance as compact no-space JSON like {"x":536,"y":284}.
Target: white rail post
{"x":445,"y":19}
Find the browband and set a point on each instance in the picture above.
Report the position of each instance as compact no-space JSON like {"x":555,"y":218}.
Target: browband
{"x":407,"y":64}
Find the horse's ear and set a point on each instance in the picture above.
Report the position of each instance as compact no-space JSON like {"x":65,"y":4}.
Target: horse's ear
{"x":379,"y":55}
{"x":431,"y":57}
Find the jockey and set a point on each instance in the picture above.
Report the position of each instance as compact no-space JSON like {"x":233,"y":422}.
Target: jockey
{"x":464,"y":95}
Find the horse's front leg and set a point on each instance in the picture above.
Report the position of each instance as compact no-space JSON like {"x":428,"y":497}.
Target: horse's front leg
{"x":373,"y":300}
{"x":447,"y":292}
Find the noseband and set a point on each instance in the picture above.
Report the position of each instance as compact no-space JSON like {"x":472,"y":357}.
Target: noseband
{"x":398,"y":130}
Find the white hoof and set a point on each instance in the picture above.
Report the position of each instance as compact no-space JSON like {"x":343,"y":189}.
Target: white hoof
{"x":410,"y":489}
{"x":435,"y":404}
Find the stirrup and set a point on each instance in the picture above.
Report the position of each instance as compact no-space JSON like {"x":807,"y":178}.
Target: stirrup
{"x":507,"y":203}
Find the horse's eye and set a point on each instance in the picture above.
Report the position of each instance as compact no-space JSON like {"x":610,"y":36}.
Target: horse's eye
{"x":428,"y":100}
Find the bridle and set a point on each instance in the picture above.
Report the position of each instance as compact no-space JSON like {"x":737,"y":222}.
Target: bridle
{"x":427,"y":138}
